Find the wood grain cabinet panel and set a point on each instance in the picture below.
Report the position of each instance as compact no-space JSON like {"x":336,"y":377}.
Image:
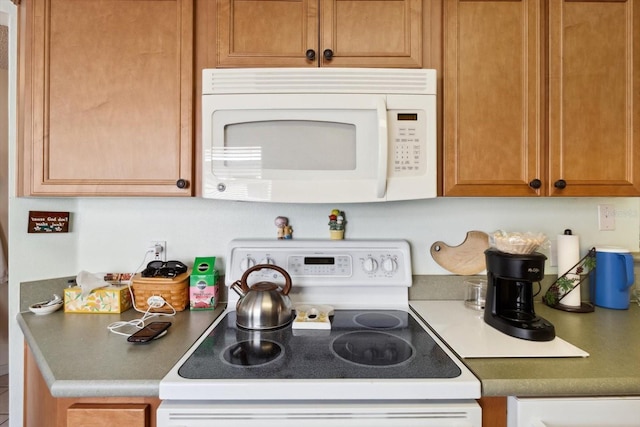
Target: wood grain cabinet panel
{"x":492,"y":98}
{"x":266,"y":32}
{"x":107,"y":97}
{"x":107,"y":415}
{"x":300,"y":33}
{"x":541,"y":98}
{"x":594,"y":97}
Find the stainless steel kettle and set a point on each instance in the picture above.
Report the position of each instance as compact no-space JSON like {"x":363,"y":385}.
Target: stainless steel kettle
{"x":264,"y":305}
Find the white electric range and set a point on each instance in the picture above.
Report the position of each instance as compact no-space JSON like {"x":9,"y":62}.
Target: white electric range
{"x":378,"y":364}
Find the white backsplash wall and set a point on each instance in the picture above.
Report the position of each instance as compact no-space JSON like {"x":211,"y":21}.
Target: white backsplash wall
{"x":113,"y":234}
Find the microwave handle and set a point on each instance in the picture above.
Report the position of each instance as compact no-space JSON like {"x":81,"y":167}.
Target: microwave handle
{"x":383,"y":147}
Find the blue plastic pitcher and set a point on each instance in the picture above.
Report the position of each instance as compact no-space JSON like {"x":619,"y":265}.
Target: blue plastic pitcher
{"x":613,"y":278}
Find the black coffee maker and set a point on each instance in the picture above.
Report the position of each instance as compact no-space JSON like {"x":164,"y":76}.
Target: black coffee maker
{"x":509,"y":304}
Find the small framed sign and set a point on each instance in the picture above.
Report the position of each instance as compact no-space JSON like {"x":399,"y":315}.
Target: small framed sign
{"x":48,"y":222}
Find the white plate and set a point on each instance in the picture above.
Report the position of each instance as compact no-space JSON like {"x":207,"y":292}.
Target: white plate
{"x":38,"y":308}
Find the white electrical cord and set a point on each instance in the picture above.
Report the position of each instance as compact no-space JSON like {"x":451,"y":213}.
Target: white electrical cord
{"x":138,"y":324}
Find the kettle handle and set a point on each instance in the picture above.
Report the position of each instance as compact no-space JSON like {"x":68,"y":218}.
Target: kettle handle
{"x":287,"y":285}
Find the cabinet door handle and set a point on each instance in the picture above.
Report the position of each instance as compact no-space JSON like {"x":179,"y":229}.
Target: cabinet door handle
{"x":182,"y":183}
{"x":310,"y":54}
{"x":328,"y":54}
{"x":560,"y":184}
{"x":535,"y":184}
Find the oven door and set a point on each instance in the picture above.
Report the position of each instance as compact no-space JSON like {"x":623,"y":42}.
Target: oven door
{"x":271,"y":147}
{"x":320,"y":414}
{"x":318,"y":148}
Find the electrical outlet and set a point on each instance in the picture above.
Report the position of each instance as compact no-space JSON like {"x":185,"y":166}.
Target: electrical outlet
{"x":606,"y":217}
{"x":161,"y":249}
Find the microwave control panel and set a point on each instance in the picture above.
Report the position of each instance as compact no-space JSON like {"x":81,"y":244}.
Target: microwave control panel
{"x":407,"y":150}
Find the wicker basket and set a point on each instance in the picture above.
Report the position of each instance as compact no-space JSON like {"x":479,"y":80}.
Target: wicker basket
{"x":174,"y":291}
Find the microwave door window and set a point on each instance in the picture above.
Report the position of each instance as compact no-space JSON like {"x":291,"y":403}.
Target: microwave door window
{"x":263,"y":148}
{"x":238,"y":162}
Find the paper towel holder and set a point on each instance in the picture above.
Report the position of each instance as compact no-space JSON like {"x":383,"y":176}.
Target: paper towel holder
{"x":563,"y":285}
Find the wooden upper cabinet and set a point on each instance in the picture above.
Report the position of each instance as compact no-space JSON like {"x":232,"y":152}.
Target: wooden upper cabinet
{"x":508,"y":128}
{"x":492,"y":98}
{"x":594,"y":97}
{"x":266,"y":32}
{"x":106,"y":90}
{"x":300,"y":33}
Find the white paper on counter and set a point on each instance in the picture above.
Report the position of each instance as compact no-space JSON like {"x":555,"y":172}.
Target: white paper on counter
{"x":466,"y":332}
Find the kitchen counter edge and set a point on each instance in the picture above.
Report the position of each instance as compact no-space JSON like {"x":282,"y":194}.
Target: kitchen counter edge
{"x":79,"y":357}
{"x":610,"y":336}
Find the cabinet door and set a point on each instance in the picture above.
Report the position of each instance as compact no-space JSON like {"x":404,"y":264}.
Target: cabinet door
{"x":107,"y":97}
{"x":297,"y":33}
{"x":267,"y":33}
{"x":492,"y":98}
{"x":594,"y":97}
{"x":109,"y":414}
{"x":371,"y":33}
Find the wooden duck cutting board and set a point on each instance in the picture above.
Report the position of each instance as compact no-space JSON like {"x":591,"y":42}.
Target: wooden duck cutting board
{"x":465,"y":259}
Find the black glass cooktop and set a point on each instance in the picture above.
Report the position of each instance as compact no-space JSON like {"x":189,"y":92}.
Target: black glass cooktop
{"x":361,"y":344}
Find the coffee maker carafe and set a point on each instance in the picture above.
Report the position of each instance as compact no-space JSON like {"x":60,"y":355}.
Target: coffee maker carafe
{"x":509,"y":304}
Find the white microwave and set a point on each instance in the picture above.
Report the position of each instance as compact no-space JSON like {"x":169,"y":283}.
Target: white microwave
{"x":319,"y":135}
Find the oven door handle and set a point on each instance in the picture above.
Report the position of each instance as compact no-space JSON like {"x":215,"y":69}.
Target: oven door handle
{"x":383,"y":147}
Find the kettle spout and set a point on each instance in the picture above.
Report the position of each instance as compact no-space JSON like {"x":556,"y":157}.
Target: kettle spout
{"x":237,"y":287}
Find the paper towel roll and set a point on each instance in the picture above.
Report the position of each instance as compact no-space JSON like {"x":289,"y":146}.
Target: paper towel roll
{"x":568,"y":257}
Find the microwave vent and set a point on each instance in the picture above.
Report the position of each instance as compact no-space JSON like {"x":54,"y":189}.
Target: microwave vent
{"x":319,"y":80}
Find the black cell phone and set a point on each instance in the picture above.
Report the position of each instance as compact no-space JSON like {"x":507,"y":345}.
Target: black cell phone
{"x":149,"y":332}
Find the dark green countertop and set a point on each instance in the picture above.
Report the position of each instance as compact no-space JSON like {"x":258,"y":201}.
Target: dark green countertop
{"x":612,"y":339}
{"x":79,"y":357}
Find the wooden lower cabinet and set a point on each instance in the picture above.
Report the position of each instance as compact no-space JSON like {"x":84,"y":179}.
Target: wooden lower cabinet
{"x":108,"y":414}
{"x":494,"y":411}
{"x":43,"y":410}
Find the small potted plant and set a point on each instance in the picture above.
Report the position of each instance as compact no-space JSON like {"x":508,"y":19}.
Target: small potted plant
{"x":336,"y":224}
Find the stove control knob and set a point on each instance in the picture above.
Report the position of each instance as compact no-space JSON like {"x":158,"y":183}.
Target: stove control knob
{"x":267,"y":260}
{"x":389,"y":265}
{"x":247,"y":263}
{"x":370,"y":265}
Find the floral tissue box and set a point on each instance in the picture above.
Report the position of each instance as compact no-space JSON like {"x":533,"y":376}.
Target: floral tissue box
{"x":114,"y":298}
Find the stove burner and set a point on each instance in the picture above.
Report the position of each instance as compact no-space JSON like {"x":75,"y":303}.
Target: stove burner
{"x":377,"y":320}
{"x":252,"y":353}
{"x":372,"y":348}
